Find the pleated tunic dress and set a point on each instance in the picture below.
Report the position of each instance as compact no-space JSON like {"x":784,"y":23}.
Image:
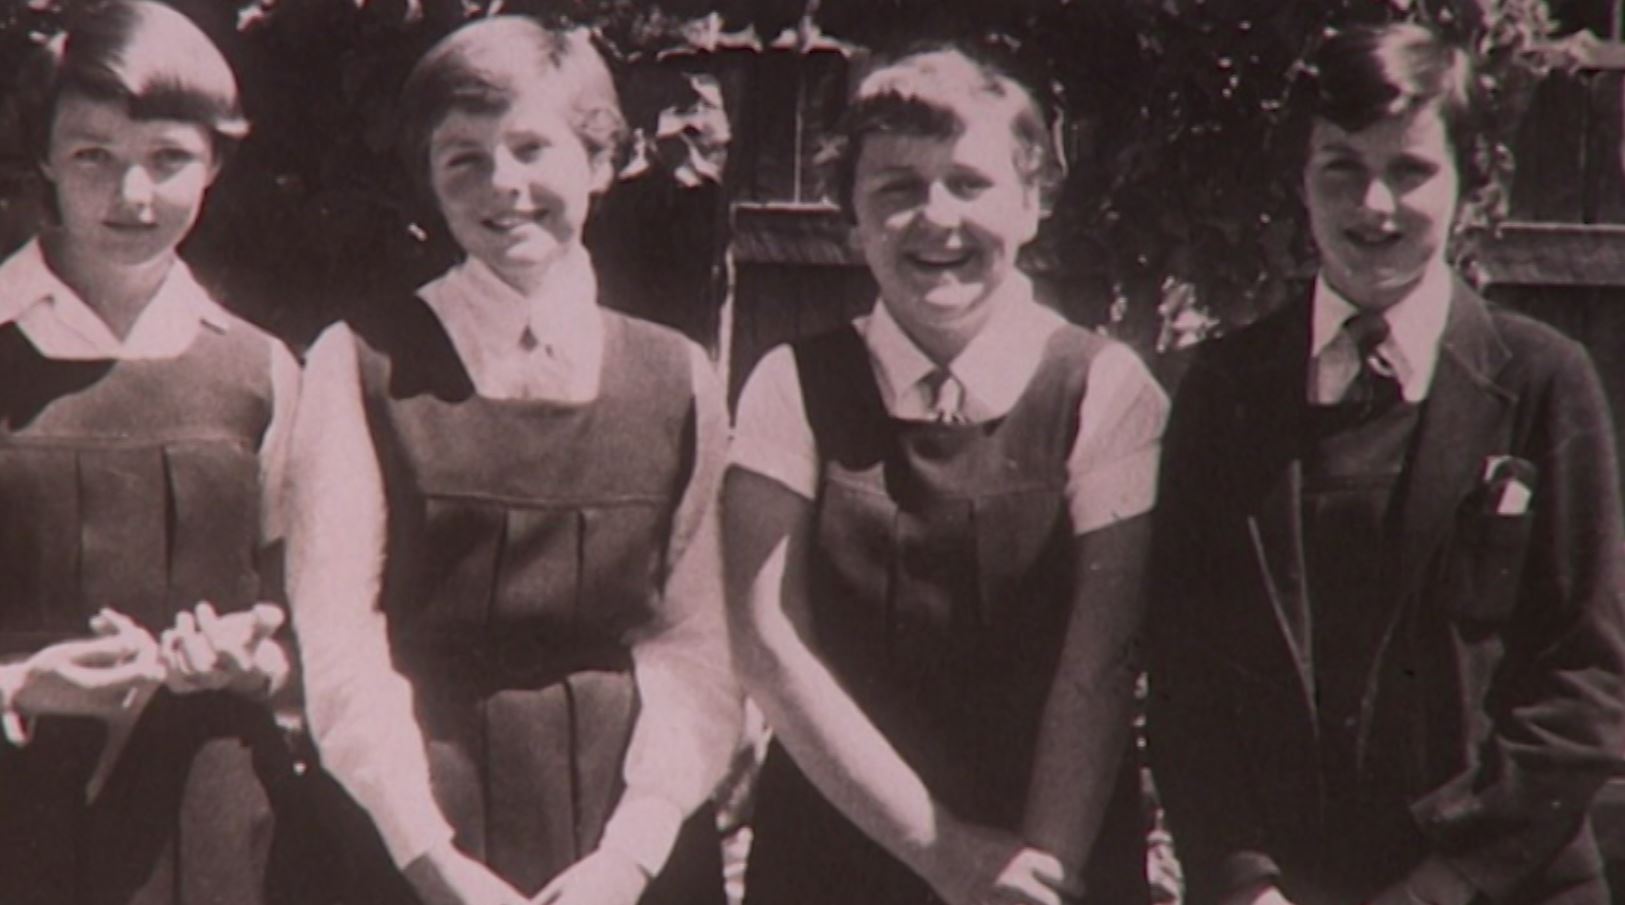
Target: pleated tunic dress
{"x":526,"y":542}
{"x":135,"y":484}
{"x":941,"y":590}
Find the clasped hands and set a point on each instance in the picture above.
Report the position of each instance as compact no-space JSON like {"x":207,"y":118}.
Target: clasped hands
{"x":980,"y":865}
{"x":446,"y":876}
{"x":1267,"y":893}
{"x":116,"y":668}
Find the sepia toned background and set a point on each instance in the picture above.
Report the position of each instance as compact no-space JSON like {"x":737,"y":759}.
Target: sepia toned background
{"x":1180,"y":217}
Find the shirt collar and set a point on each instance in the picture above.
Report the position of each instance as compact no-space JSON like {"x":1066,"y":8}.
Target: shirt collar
{"x":179,"y":304}
{"x":28,"y":282}
{"x":994,"y":367}
{"x":1415,"y":323}
{"x":471,"y":297}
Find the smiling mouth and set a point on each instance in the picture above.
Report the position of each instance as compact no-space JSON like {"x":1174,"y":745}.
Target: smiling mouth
{"x":513,"y":220}
{"x":940,"y":260}
{"x":1373,"y":239}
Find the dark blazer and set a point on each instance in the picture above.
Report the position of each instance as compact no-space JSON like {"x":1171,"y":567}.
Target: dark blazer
{"x":1496,"y":707}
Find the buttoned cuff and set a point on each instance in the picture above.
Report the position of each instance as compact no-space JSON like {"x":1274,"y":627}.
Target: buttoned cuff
{"x":644,"y":828}
{"x":406,"y":816}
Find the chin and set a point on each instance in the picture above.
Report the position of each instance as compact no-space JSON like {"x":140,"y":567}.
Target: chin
{"x":949,"y":299}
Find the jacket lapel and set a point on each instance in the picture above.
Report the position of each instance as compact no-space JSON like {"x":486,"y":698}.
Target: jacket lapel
{"x":1271,"y":427}
{"x":1462,"y":417}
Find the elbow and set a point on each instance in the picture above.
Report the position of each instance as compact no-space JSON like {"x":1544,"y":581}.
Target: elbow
{"x":760,"y":668}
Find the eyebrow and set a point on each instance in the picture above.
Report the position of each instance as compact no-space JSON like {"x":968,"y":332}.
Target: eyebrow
{"x":452,"y":142}
{"x":81,"y":133}
{"x":895,"y":170}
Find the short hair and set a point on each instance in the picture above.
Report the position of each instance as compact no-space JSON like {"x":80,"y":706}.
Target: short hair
{"x":931,"y":90}
{"x":481,"y":67}
{"x":141,"y":53}
{"x":1368,"y":73}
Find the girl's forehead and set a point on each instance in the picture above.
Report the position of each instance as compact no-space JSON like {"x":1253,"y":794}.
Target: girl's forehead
{"x":81,"y":117}
{"x":526,"y":108}
{"x":985,"y":142}
{"x":1421,"y":129}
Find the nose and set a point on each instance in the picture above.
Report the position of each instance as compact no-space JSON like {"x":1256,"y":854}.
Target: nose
{"x":507,"y":173}
{"x":941,"y":207}
{"x":1379,"y":198}
{"x":135,"y":187}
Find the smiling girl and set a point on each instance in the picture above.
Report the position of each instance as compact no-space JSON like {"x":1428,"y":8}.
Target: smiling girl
{"x":505,"y":571}
{"x":141,"y":432}
{"x":934,"y":525}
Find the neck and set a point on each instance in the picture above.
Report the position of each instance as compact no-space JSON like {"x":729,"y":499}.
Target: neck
{"x":1386,"y":297}
{"x":530,"y":281}
{"x":942,"y":343}
{"x":118,"y":293}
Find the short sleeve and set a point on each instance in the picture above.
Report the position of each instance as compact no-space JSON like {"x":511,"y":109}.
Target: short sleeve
{"x":771,"y":433}
{"x":1112,"y":469}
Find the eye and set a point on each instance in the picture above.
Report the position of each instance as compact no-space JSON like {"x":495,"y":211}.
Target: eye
{"x":529,"y":150}
{"x":171,"y":160}
{"x":1341,"y":166}
{"x":1413,"y":171}
{"x":462,"y":160}
{"x":91,"y":156}
{"x":896,"y":187}
{"x":968,"y":185}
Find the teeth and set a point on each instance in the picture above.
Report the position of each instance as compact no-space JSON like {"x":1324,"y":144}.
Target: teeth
{"x":511,"y":221}
{"x":941,"y":260}
{"x":1381,"y":238}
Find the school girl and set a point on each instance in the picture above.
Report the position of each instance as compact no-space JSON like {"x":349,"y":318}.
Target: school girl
{"x":935,"y":520}
{"x":141,"y":431}
{"x":504,"y":567}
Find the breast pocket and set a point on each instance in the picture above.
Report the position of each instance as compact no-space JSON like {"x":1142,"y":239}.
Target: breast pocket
{"x":1485,"y":566}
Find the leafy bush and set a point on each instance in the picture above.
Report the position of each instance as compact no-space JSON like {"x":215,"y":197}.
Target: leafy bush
{"x":1181,"y":210}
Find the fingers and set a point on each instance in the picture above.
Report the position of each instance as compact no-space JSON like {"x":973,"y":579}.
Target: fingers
{"x":92,"y":653}
{"x":268,"y":618}
{"x":99,"y":673}
{"x":194,"y":662}
{"x":228,"y":639}
{"x":1032,"y":877}
{"x":122,"y":652}
{"x":1052,"y":873}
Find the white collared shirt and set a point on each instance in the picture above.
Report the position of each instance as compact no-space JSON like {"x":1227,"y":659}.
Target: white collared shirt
{"x":487,"y":320}
{"x":61,"y":325}
{"x":1415,"y":324}
{"x":1111,"y":469}
{"x":360,"y":707}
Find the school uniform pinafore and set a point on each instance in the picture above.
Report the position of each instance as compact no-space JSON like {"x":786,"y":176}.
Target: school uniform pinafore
{"x":942,"y":581}
{"x":525,"y":542}
{"x":136,"y":485}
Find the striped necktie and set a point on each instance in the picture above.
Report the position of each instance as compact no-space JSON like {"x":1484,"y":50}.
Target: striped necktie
{"x":1376,"y":386}
{"x":947,"y":396}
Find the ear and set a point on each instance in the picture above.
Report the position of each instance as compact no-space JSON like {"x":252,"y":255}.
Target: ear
{"x":602,"y":163}
{"x":1035,"y":208}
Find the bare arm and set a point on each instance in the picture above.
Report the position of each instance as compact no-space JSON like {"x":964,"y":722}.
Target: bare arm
{"x":766,"y":535}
